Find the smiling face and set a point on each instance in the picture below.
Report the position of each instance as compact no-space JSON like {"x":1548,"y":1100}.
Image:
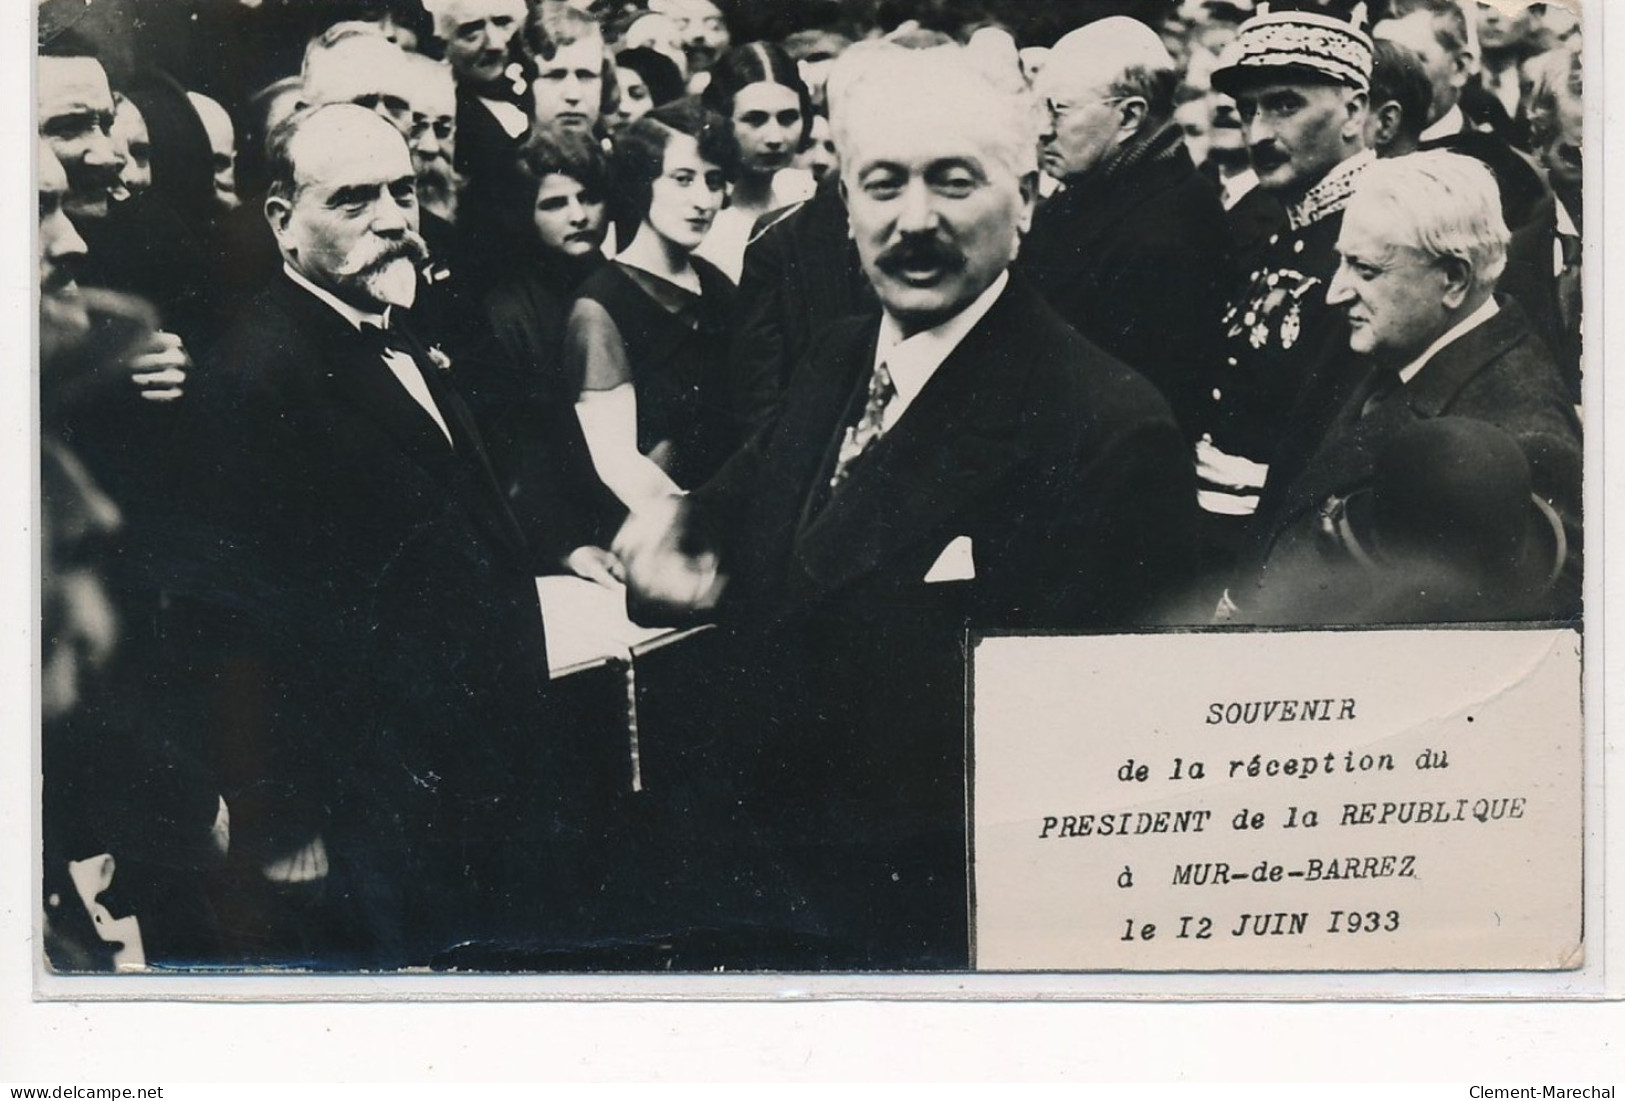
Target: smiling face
{"x":569,"y":87}
{"x":568,"y":218}
{"x":936,"y":214}
{"x":1398,"y":299}
{"x":76,"y":118}
{"x":767,"y":125}
{"x":1296,"y":133}
{"x":684,"y":200}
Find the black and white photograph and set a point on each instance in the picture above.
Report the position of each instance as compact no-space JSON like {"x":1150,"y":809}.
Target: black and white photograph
{"x":573,"y":487}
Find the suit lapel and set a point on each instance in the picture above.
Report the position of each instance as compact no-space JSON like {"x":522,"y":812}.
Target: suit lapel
{"x":359,"y":378}
{"x":957,"y":438}
{"x":1346,"y":458}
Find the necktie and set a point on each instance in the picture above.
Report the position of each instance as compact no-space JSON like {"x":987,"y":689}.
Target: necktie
{"x":859,"y":437}
{"x":403,"y":362}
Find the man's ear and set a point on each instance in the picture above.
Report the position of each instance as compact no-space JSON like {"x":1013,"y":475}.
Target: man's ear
{"x":1029,"y":202}
{"x":1389,"y":115}
{"x":846,"y":201}
{"x":1464,"y":64}
{"x":277,"y":212}
{"x":1131,"y":116}
{"x":1458,"y":280}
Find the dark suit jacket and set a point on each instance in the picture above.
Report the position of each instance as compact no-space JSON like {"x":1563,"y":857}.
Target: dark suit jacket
{"x":1141,"y":264}
{"x":377,"y":617}
{"x":1500,"y":373}
{"x":1531,"y":278}
{"x":843,"y":702}
{"x":1522,"y":188}
{"x":483,"y":146}
{"x":800,"y":274}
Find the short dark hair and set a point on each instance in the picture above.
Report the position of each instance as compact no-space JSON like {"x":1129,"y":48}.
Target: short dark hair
{"x":639,"y":155}
{"x":756,"y":63}
{"x":1399,"y":75}
{"x":660,"y":73}
{"x":501,"y":205}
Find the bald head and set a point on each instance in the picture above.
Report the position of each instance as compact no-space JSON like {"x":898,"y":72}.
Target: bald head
{"x":1103,"y":85}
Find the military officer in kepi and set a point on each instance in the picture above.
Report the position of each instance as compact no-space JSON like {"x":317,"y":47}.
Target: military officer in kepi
{"x":1301,"y":81}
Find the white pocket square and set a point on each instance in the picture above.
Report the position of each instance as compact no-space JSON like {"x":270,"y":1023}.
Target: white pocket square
{"x":955,"y":563}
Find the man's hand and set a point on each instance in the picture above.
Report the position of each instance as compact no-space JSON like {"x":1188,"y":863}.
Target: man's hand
{"x":159,"y":367}
{"x":596,"y":564}
{"x":658,"y":571}
{"x":1230,"y":471}
{"x":304,"y":866}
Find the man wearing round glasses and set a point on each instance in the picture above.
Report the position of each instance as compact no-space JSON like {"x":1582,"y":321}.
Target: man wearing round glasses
{"x":1135,"y":253}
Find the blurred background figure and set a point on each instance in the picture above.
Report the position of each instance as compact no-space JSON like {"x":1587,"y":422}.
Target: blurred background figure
{"x":133,"y":143}
{"x":433,"y":137}
{"x":222,"y":149}
{"x":647,"y":79}
{"x":703,"y":31}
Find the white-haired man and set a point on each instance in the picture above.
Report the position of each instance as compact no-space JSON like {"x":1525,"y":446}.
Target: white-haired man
{"x":961,"y":458}
{"x":493,"y":96}
{"x":1421,"y":248}
{"x":1135,"y":253}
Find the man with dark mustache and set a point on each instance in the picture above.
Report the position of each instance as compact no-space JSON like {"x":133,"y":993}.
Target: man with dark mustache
{"x":360,"y":569}
{"x":1301,"y":83}
{"x":959,"y":459}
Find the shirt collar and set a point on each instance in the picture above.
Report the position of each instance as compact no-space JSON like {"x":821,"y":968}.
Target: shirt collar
{"x":913,"y":360}
{"x":355,"y":317}
{"x":1237,"y":187}
{"x":1451,"y":123}
{"x":1466,"y":325}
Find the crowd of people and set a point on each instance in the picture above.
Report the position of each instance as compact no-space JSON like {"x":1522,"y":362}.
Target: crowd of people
{"x":846,"y":327}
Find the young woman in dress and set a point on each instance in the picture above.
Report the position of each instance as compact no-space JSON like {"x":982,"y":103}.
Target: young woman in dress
{"x":648,"y":334}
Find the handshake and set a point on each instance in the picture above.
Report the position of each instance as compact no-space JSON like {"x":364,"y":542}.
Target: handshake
{"x":668,"y":579}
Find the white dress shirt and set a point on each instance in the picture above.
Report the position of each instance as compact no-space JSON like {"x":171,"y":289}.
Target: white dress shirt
{"x":913,"y":360}
{"x":401,"y":365}
{"x":1233,"y":189}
